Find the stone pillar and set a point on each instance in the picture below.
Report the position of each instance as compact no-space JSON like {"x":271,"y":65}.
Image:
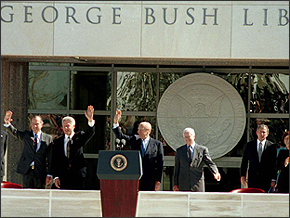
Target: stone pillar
{"x":14,"y":97}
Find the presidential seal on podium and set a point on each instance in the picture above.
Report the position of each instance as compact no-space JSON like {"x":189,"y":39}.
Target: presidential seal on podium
{"x":118,"y":162}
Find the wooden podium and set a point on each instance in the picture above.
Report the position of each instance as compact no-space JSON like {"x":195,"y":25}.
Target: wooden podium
{"x":119,"y":173}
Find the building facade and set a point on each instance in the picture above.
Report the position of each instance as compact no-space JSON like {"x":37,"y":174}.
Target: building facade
{"x":57,"y":57}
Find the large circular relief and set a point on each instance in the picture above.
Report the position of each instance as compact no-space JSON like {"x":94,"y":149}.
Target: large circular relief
{"x":208,"y":104}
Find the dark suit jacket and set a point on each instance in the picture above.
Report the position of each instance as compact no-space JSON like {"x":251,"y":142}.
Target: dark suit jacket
{"x":41,"y":158}
{"x":60,"y":163}
{"x":190,"y":176}
{"x":283,"y":181}
{"x":152,"y":163}
{"x":4,"y":143}
{"x":259,"y":174}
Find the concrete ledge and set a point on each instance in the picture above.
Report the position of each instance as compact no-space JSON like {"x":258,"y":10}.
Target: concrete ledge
{"x":87,"y":203}
{"x":50,"y":203}
{"x":212,"y":204}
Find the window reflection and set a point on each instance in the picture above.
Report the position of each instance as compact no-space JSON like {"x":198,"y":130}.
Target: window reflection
{"x":239,"y":81}
{"x":51,"y":124}
{"x":136,"y":91}
{"x":47,"y":89}
{"x":270,"y":93}
{"x":166,"y":79}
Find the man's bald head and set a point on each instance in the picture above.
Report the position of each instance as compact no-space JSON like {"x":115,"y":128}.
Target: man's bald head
{"x":144,"y":129}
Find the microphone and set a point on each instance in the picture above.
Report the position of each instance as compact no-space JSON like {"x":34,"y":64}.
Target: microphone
{"x":123,"y":142}
{"x":117,"y":144}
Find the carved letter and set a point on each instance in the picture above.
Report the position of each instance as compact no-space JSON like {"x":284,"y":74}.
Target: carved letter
{"x":11,"y":15}
{"x":72,"y":16}
{"x":190,"y":15}
{"x":151,"y":15}
{"x":26,"y":14}
{"x":164,"y":16}
{"x":283,"y":16}
{"x":246,"y":18}
{"x":116,"y":15}
{"x":215,"y":16}
{"x":98,"y":16}
{"x":265,"y":17}
{"x":56,"y":14}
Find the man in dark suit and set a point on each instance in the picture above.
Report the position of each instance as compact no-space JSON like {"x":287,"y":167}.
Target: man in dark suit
{"x":68,"y":162}
{"x":36,"y":152}
{"x":189,"y":162}
{"x":4,"y":143}
{"x":261,"y":170}
{"x":151,"y":151}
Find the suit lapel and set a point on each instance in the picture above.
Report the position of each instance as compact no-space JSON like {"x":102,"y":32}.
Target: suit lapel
{"x":149,"y":144}
{"x":255,"y":150}
{"x":186,"y":153}
{"x":61,"y":145}
{"x":197,"y":156}
{"x":138,"y":144}
{"x":265,"y":146}
{"x":32,"y":140}
{"x":42,"y":140}
{"x":195,"y":152}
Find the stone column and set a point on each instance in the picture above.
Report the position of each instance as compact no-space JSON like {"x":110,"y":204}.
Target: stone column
{"x":14,"y":97}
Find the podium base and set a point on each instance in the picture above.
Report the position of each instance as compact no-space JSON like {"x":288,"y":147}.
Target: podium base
{"x":119,"y":197}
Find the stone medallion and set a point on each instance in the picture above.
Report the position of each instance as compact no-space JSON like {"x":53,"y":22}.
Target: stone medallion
{"x":208,"y":104}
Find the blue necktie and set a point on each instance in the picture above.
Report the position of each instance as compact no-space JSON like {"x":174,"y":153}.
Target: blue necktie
{"x":35,"y":142}
{"x":143,"y":148}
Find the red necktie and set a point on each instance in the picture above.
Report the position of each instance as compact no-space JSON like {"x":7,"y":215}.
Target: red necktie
{"x":189,"y":153}
{"x":68,"y":148}
{"x":35,"y":143}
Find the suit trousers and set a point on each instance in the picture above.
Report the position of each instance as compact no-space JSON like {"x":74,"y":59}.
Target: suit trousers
{"x":71,"y":180}
{"x":31,"y":180}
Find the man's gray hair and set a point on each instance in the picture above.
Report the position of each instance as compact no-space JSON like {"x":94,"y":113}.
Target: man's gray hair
{"x":146,"y":125}
{"x":70,"y":119}
{"x":262,"y":126}
{"x":190,"y":130}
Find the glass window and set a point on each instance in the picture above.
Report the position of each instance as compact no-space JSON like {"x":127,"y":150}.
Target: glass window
{"x":90,"y":88}
{"x":239,"y":81}
{"x":136,"y":91}
{"x":270,"y":93}
{"x":52,"y":124}
{"x":101,"y":139}
{"x":47,"y":89}
{"x":166,"y":79}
